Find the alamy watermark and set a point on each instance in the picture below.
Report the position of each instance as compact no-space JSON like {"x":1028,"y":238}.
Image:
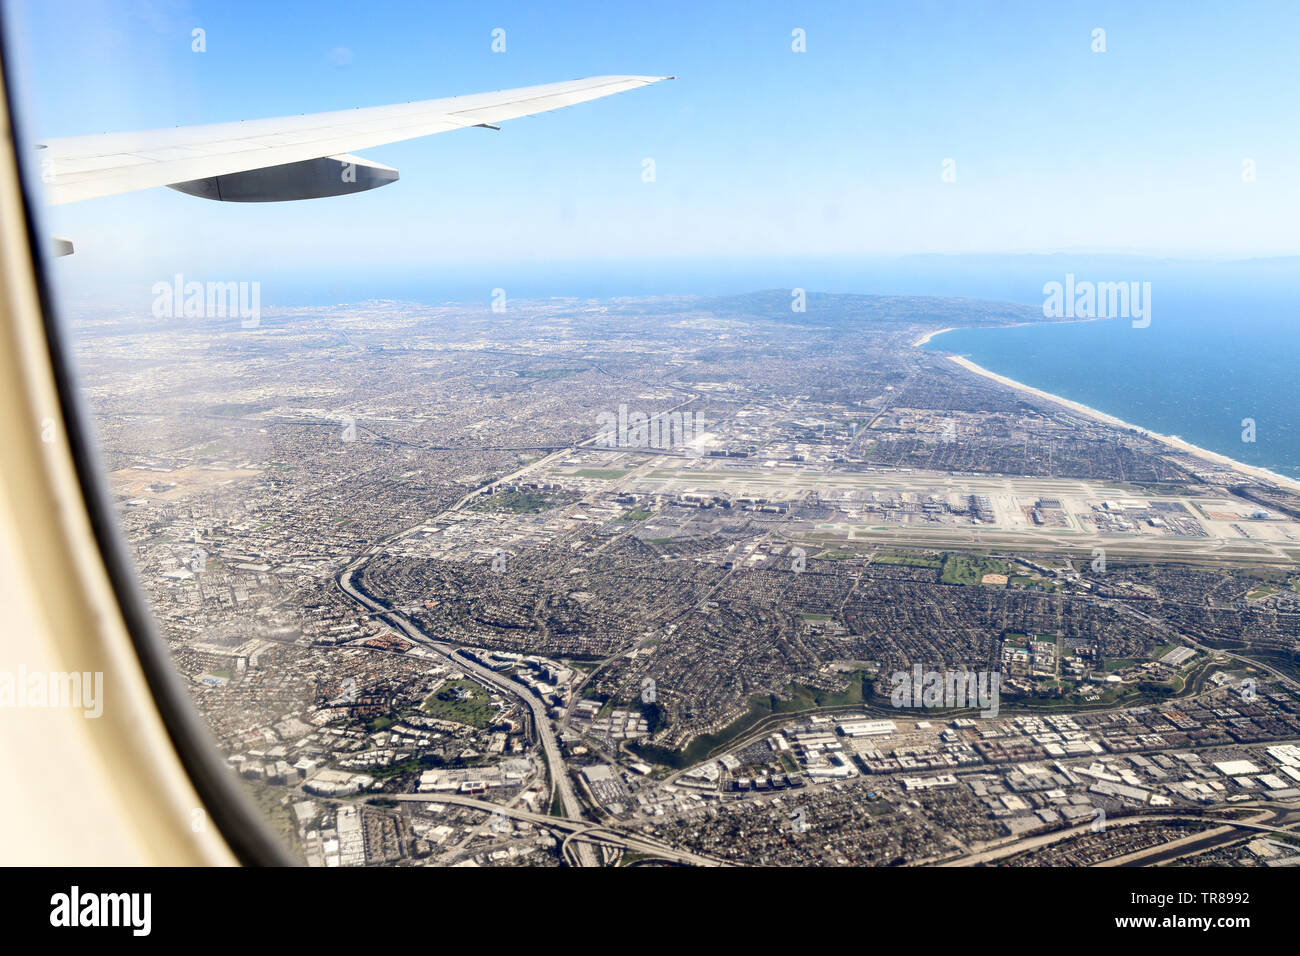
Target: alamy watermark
{"x":74,"y":908}
{"x":636,"y":429}
{"x":1098,"y":300}
{"x":208,"y":300}
{"x":946,"y":689}
{"x":48,"y":689}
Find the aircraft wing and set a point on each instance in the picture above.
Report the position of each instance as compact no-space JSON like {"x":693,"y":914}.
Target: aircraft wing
{"x":294,"y":157}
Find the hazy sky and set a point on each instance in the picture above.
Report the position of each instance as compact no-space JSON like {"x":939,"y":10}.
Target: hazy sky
{"x":760,"y":151}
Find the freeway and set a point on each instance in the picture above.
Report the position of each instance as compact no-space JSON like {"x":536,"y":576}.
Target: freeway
{"x":1282,"y":676}
{"x":541,"y":724}
{"x":560,"y":782}
{"x":579,"y":833}
{"x":1286,"y":816}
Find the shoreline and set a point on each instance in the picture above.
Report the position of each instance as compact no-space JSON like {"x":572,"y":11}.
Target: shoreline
{"x":929,"y":335}
{"x":1172,"y":441}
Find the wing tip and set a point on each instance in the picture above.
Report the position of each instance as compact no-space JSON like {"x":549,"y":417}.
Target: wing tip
{"x":643,"y":78}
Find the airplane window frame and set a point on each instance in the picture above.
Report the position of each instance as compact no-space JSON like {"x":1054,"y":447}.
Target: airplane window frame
{"x":233,"y":814}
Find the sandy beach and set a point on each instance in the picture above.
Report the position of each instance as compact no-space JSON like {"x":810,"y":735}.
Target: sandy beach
{"x":1175,"y":443}
{"x":929,"y":335}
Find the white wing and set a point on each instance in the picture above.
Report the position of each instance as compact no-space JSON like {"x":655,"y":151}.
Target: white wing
{"x":207,"y":160}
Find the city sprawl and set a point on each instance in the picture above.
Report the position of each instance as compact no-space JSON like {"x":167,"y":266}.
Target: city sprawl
{"x":709,"y":581}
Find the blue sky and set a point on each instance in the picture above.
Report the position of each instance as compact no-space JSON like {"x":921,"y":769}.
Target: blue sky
{"x":762,"y":154}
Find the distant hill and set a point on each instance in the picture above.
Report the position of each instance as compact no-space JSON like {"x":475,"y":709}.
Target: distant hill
{"x":824,"y":309}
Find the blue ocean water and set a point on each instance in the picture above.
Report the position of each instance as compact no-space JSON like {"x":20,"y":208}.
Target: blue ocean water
{"x":1216,"y":353}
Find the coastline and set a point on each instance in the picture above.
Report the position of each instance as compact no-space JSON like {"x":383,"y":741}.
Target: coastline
{"x":929,"y":335}
{"x":1175,"y":443}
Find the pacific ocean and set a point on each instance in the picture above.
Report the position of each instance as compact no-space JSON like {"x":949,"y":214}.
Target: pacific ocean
{"x":1215,"y":358}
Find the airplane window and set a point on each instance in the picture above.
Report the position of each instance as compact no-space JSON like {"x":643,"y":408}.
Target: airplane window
{"x":847,"y":436}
